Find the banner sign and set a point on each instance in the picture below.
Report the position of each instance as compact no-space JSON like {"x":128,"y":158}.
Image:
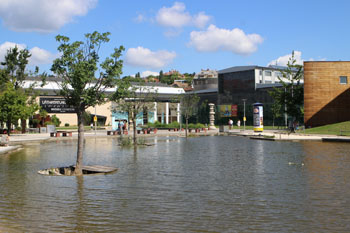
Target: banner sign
{"x":228,"y":110}
{"x":56,"y":105}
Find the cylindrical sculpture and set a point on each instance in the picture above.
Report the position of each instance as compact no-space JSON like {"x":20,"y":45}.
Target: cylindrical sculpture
{"x":258,"y":117}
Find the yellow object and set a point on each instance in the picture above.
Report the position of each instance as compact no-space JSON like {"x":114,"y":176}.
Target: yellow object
{"x":244,"y":119}
{"x":95,"y":118}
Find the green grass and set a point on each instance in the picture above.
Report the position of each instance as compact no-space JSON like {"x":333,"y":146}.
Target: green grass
{"x":341,"y":129}
{"x":73,"y":127}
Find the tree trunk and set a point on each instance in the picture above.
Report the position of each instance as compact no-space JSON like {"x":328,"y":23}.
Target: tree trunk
{"x":186,"y":127}
{"x":8,"y":127}
{"x":23,"y":124}
{"x":79,"y":163}
{"x":134,"y":129}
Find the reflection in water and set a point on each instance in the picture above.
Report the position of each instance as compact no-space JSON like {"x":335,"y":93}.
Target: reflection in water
{"x":215,"y":184}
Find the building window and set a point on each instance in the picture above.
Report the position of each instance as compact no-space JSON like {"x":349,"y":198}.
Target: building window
{"x":343,"y":79}
{"x":267,"y":73}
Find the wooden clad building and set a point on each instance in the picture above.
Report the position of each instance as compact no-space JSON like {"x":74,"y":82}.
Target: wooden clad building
{"x":326,"y":92}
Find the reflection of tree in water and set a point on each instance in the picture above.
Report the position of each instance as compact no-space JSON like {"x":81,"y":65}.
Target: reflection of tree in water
{"x":80,"y":209}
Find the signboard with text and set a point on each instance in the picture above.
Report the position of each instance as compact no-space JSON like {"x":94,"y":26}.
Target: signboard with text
{"x":55,"y":105}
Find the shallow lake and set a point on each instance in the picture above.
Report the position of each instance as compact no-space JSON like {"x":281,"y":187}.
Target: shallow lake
{"x":204,"y":184}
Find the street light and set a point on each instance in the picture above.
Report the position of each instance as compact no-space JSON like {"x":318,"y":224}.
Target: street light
{"x":244,"y":118}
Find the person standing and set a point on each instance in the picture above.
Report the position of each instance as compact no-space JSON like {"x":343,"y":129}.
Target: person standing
{"x":239,"y":124}
{"x":230,"y":123}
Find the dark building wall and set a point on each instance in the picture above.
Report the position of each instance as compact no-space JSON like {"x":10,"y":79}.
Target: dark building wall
{"x":233,"y":87}
{"x":236,"y":86}
{"x":326,"y":100}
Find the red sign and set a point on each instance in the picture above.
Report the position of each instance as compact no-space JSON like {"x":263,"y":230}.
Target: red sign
{"x":234,"y":110}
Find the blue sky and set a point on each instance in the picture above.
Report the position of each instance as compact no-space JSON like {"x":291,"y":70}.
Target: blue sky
{"x":184,"y":35}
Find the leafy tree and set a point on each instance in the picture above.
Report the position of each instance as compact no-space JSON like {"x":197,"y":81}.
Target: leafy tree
{"x":134,"y":99}
{"x":14,"y":105}
{"x":188,"y":105}
{"x":291,"y":94}
{"x":161,"y":75}
{"x":12,"y":77}
{"x":76,"y":69}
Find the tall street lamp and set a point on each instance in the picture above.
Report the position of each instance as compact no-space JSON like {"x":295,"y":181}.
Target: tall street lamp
{"x":244,"y":118}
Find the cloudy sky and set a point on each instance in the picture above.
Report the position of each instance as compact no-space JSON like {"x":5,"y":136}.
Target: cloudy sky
{"x":184,"y":35}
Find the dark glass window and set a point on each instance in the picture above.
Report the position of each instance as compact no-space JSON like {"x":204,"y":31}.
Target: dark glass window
{"x":343,"y":79}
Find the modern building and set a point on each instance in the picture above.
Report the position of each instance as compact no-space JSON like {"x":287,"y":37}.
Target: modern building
{"x":245,"y":85}
{"x":163,"y":108}
{"x":326,"y":92}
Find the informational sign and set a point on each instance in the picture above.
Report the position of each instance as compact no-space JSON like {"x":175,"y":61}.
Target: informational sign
{"x":55,"y":105}
{"x":95,"y":118}
{"x":244,"y":119}
{"x":228,"y":110}
{"x":258,"y":119}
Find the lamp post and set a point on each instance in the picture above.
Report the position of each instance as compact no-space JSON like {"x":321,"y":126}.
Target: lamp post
{"x":244,"y":118}
{"x":95,"y":120}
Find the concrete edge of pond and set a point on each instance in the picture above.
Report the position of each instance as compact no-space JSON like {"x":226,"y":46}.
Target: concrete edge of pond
{"x":87,"y":170}
{"x":9,"y":149}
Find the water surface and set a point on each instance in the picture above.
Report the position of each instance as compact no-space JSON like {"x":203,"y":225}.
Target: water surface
{"x":205,"y":184}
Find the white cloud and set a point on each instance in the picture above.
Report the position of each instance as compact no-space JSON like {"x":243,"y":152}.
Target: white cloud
{"x":39,"y":56}
{"x":177,"y":17}
{"x":215,"y":39}
{"x":283,"y":60}
{"x":147,"y":73}
{"x":201,"y":20}
{"x":42,"y":15}
{"x":143,"y":57}
{"x":140,"y":18}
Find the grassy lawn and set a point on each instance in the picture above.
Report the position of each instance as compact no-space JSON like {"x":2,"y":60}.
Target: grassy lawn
{"x":250,"y":127}
{"x":341,"y":129}
{"x":73,"y":128}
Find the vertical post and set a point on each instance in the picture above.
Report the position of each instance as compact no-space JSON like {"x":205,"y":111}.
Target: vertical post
{"x":167,"y":113}
{"x":244,"y":118}
{"x":95,"y":122}
{"x":178,"y":112}
{"x":155,"y":112}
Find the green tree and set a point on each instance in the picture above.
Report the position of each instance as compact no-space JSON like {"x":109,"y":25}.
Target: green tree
{"x":55,"y":120}
{"x":188,"y":106}
{"x":14,"y":105}
{"x":76,"y":68}
{"x":12,"y":77}
{"x":291,"y":94}
{"x":134,"y":99}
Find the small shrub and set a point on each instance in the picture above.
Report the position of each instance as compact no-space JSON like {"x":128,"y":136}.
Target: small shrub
{"x":48,"y":123}
{"x":199,"y":126}
{"x":125,"y":141}
{"x":191,"y":126}
{"x":66,"y":124}
{"x":56,"y":121}
{"x":174,"y":125}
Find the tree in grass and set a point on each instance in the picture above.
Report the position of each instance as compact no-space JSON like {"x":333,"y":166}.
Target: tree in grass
{"x":188,"y":107}
{"x":291,"y":94}
{"x":83,"y":79}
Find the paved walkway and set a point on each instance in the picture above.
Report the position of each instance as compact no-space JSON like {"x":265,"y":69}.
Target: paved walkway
{"x":16,"y":140}
{"x":282,"y":135}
